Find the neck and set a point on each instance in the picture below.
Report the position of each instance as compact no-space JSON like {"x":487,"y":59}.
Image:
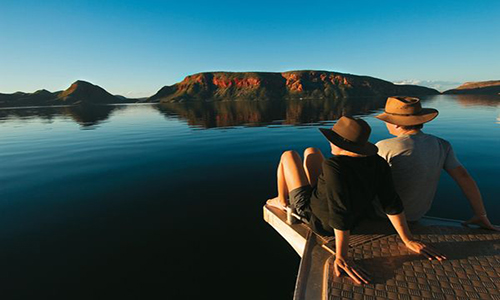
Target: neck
{"x":351,"y":154}
{"x":409,"y":132}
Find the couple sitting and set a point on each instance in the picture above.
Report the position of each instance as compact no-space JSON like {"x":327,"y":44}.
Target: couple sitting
{"x":334,"y":194}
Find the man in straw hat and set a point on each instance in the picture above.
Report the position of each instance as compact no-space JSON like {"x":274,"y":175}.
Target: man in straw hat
{"x":334,"y":194}
{"x":416,"y":160}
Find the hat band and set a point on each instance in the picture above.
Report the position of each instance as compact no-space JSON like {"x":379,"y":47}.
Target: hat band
{"x":351,"y":142}
{"x":396,"y":114}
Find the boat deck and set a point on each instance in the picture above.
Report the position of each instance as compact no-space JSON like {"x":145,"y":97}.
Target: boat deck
{"x":472,"y":270}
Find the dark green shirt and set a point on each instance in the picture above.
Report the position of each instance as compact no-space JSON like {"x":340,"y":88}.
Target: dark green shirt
{"x":346,"y":190}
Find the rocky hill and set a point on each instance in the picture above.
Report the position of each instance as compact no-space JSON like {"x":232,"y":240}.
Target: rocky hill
{"x":218,"y":86}
{"x":491,"y":87}
{"x":40,"y":97}
{"x":80,"y":92}
{"x":289,"y":85}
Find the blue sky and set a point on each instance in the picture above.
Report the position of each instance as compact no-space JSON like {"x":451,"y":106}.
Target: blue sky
{"x":136,"y":47}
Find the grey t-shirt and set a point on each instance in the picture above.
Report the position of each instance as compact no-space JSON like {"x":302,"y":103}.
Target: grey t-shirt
{"x":416,"y":162}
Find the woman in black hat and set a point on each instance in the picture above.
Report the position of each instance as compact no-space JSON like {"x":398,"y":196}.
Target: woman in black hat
{"x":334,"y":194}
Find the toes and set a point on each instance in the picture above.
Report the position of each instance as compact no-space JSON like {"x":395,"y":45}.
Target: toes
{"x":276,"y":203}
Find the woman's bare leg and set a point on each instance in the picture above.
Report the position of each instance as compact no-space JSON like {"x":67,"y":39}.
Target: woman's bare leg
{"x":291,"y":175}
{"x":282,"y":187}
{"x":313,"y":164}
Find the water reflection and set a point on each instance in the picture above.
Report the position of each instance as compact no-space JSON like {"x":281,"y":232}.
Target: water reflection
{"x":85,"y":115}
{"x":90,"y":115}
{"x":260,"y":113}
{"x":236,"y":113}
{"x":478,"y":100}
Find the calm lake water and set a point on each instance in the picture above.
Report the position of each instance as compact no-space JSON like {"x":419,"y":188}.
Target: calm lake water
{"x":165,"y":202}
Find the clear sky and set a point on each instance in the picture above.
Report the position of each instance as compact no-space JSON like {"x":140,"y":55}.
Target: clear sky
{"x":136,"y":47}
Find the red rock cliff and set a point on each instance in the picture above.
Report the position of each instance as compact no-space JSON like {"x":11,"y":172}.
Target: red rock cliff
{"x":268,"y":86}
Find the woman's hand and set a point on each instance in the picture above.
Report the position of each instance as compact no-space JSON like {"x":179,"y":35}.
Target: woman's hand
{"x":425,"y":250}
{"x":348,"y":266}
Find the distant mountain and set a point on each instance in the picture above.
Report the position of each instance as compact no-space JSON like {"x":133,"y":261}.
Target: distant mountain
{"x":40,"y":97}
{"x":439,"y":85}
{"x":289,"y":85}
{"x":80,"y":92}
{"x":217,"y":86}
{"x":491,"y":87}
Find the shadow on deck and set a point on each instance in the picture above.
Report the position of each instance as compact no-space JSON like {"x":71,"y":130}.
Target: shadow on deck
{"x":472,"y":270}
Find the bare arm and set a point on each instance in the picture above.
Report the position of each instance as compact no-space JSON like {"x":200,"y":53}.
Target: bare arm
{"x":342,"y":242}
{"x":469,"y":188}
{"x":401,"y":226}
{"x":473,"y":195}
{"x":342,"y":262}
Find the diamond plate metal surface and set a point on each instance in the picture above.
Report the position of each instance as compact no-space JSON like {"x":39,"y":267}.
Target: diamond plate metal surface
{"x":472,"y":270}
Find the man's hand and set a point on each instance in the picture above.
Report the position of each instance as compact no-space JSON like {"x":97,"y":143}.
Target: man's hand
{"x":356,"y":273}
{"x":481,"y":221}
{"x":425,"y":250}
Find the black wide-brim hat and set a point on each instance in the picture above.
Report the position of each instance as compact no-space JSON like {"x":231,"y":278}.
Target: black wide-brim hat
{"x":352,"y":135}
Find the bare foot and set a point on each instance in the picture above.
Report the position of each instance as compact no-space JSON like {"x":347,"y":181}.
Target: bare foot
{"x":276,"y":203}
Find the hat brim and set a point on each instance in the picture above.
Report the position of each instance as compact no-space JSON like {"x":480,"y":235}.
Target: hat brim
{"x":424,"y":116}
{"x":337,"y":140}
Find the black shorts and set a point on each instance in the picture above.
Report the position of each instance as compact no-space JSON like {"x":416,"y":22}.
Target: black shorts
{"x":300,"y":201}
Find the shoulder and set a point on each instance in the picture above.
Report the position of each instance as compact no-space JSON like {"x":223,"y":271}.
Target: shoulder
{"x":341,"y":160}
{"x":441,"y":141}
{"x":333,"y":162}
{"x":392,"y":147}
{"x":390,"y":143}
{"x":380,"y":162}
{"x":379,"y":159}
{"x":332,"y":168}
{"x":387,"y":141}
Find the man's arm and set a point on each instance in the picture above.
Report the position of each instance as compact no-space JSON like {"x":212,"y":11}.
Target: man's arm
{"x":472,"y":193}
{"x":401,"y":226}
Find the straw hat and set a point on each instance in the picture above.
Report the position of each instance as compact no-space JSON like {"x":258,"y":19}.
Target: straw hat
{"x":406,"y":111}
{"x":352,"y":135}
